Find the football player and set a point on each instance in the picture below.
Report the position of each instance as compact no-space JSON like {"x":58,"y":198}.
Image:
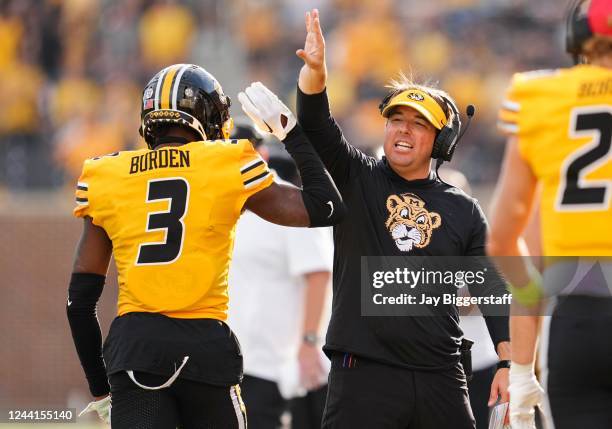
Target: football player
{"x":559,"y":124}
{"x":168,"y":214}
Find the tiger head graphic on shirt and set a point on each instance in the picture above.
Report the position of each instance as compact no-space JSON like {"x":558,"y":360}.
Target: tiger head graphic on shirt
{"x":409,"y":222}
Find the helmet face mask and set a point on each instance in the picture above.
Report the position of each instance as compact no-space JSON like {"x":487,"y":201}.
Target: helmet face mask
{"x":185,"y":95}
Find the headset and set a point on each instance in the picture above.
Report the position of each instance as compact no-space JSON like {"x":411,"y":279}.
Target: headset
{"x":446,"y":141}
{"x":447,"y":138}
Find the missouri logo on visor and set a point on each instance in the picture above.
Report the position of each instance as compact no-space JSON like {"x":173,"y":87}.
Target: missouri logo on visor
{"x":415,"y":96}
{"x":421,"y":101}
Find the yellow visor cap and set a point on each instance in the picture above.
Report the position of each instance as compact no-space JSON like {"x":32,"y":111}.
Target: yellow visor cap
{"x":422,"y":102}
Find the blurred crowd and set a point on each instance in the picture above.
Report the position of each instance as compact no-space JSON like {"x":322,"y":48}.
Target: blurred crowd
{"x":72,"y":71}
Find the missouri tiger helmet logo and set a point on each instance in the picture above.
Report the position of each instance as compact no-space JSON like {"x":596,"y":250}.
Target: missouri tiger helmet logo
{"x":409,"y":222}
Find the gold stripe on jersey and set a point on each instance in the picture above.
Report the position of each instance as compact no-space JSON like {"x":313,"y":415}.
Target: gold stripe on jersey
{"x":254,"y":172}
{"x":508,"y":116}
{"x":511,"y":106}
{"x":507,"y":127}
{"x":81,"y":196}
{"x":81,"y":193}
{"x":508,"y":119}
{"x":251,"y":166}
{"x":256,"y":180}
{"x":167,"y":87}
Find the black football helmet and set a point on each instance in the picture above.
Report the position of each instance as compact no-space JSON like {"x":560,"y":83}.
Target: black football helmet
{"x":585,"y":19}
{"x":187,"y":95}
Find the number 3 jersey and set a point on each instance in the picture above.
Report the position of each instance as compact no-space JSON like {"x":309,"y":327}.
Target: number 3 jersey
{"x":171,"y":215}
{"x":563,"y":121}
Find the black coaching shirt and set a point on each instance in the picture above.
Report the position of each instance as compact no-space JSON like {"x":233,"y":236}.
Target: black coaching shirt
{"x":453,"y":224}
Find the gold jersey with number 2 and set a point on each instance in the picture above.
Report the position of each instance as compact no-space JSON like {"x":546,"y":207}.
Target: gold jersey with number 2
{"x":171,"y":215}
{"x":563,"y":122}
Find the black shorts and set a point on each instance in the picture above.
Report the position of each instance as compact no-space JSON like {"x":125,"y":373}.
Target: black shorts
{"x":156,"y":344}
{"x":185,"y":404}
{"x":577,"y":371}
{"x":367,"y":394}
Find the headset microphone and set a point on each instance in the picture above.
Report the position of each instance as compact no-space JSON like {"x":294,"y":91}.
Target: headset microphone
{"x":470,"y":111}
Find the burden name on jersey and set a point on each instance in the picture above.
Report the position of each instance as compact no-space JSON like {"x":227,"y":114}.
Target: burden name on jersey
{"x":160,"y":158}
{"x":595,"y":88}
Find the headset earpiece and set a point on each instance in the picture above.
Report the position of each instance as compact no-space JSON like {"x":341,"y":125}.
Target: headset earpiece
{"x":446,"y":140}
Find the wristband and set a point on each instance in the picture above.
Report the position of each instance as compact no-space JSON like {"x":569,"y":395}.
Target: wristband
{"x":528,"y":295}
{"x":503,"y":364}
{"x":311,"y":338}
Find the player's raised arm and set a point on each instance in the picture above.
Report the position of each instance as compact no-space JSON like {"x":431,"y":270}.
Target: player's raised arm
{"x":319,"y":202}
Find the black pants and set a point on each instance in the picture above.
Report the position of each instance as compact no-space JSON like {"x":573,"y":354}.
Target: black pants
{"x":186,"y":404}
{"x":367,"y":394}
{"x":263,"y":401}
{"x":480,"y":388}
{"x":307,"y":412}
{"x":579,"y":368}
{"x":265,"y":405}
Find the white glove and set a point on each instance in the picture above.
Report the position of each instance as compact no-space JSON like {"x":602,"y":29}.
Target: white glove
{"x":525,"y":394}
{"x":265,"y":109}
{"x":102,"y":407}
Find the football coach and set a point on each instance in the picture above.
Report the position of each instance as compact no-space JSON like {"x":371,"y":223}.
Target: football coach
{"x":389,"y":371}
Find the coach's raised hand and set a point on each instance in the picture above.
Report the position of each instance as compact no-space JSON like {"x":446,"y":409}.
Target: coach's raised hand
{"x":313,"y":74}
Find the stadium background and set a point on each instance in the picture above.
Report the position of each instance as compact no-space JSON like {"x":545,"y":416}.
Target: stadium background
{"x":71,"y":76}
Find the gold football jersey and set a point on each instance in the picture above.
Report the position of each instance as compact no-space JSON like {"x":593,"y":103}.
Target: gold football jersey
{"x":171,"y":215}
{"x":563,"y":121}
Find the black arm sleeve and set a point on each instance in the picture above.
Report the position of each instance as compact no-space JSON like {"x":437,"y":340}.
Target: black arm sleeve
{"x":496,"y":316}
{"x":341,"y":159}
{"x":498,"y":329}
{"x":321,"y":198}
{"x":83,"y":294}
